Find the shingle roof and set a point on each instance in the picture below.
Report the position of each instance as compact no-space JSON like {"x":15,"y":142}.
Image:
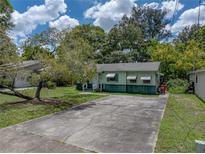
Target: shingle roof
{"x":145,"y":66}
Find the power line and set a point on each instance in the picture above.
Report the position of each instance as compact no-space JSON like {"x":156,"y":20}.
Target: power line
{"x":203,"y":14}
{"x":175,"y":10}
{"x":174,"y":14}
{"x":199,"y":13}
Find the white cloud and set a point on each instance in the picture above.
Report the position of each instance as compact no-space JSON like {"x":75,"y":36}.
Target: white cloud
{"x":108,"y":14}
{"x":35,"y":15}
{"x":64,"y":22}
{"x":188,"y":18}
{"x":154,"y":5}
{"x":169,"y":5}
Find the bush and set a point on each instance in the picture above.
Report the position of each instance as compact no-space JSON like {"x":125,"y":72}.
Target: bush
{"x":177,"y":86}
{"x":6,"y":82}
{"x":51,"y":85}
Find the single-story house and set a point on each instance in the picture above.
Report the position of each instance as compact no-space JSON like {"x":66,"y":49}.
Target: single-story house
{"x":198,"y":77}
{"x":126,"y":77}
{"x":25,"y":68}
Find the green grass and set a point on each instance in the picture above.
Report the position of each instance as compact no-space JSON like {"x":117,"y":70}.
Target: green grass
{"x":182,"y":124}
{"x":11,"y":114}
{"x":178,"y":90}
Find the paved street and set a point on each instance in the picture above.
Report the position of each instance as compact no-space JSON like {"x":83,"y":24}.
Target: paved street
{"x":112,"y":124}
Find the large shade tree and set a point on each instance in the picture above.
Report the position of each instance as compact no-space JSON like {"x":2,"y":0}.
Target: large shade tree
{"x":7,"y":47}
{"x":152,"y":22}
{"x":135,"y":34}
{"x":94,"y":35}
{"x":75,"y":54}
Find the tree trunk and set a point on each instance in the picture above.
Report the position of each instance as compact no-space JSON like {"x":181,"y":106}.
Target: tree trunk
{"x":13,"y":82}
{"x":38,"y":90}
{"x":13,"y":92}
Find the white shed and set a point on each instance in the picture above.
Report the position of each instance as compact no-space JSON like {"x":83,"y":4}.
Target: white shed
{"x":198,"y":77}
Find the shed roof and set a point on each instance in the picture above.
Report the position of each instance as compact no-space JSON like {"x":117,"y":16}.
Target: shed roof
{"x":29,"y":63}
{"x":145,"y":66}
{"x":24,"y":64}
{"x":197,"y":71}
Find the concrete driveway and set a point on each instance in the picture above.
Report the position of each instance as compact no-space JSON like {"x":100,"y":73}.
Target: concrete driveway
{"x":112,"y":124}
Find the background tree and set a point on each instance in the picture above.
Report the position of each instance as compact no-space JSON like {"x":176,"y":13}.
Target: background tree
{"x":31,"y":52}
{"x":199,"y":36}
{"x":191,"y":59}
{"x":5,"y":14}
{"x":186,"y":34}
{"x":151,"y":21}
{"x":167,"y":55}
{"x":49,"y":39}
{"x":7,"y":48}
{"x":75,"y":54}
{"x":94,"y":35}
{"x":135,"y":33}
{"x":184,"y":37}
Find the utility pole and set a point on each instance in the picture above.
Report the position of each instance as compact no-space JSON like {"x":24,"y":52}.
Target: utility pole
{"x":199,"y":13}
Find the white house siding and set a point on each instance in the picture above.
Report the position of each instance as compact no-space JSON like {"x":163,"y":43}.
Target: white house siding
{"x":200,"y":84}
{"x":21,"y":80}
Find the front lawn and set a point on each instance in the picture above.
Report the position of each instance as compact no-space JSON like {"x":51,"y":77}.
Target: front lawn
{"x":11,"y":114}
{"x":182,"y":124}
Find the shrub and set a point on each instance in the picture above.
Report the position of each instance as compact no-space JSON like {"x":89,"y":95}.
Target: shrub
{"x":177,"y":86}
{"x":6,"y":82}
{"x":51,"y":85}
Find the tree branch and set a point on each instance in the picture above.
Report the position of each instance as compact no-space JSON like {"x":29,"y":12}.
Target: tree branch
{"x":15,"y":93}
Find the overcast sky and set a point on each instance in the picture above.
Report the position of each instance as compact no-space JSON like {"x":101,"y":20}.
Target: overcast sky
{"x":33,"y":16}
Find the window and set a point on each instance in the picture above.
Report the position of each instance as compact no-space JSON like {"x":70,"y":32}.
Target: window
{"x":133,"y":81}
{"x":146,"y":81}
{"x":112,"y":77}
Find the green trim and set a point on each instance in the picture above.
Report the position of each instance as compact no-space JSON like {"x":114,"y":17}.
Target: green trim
{"x":114,"y":88}
{"x":142,"y":89}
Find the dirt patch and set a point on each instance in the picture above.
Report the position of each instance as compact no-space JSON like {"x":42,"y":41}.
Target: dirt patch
{"x":47,"y":101}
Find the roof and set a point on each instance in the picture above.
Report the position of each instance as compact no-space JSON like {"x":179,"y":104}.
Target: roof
{"x":197,"y":71}
{"x":145,"y":66}
{"x":30,"y":63}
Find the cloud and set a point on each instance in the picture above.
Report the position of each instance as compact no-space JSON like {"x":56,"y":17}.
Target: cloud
{"x":64,"y":22}
{"x":169,"y":5}
{"x":154,"y":5}
{"x":188,"y":18}
{"x":37,"y":15}
{"x":108,"y":14}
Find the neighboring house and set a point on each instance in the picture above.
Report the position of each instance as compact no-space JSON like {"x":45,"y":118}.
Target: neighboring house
{"x":198,"y":77}
{"x":21,"y":80}
{"x":126,"y":77}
